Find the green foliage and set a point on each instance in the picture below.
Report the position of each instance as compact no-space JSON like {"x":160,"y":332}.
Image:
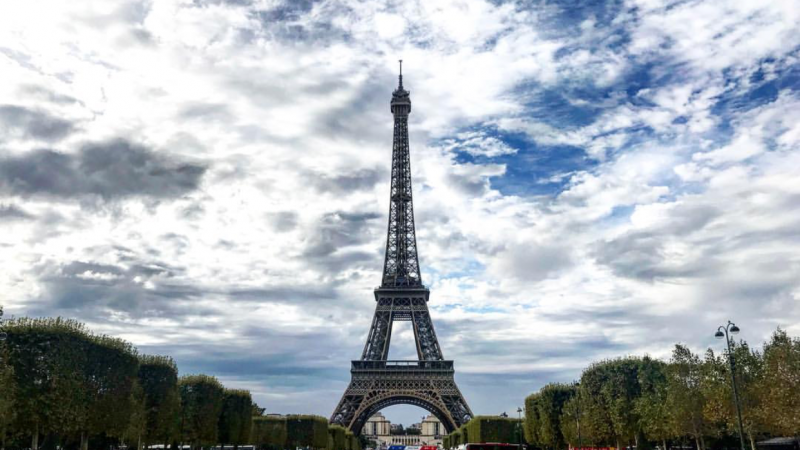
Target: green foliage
{"x":48,"y":358}
{"x":492,"y":429}
{"x":531,"y":421}
{"x":348,"y":440}
{"x":685,"y":394}
{"x":269,"y":432}
{"x":610,"y":391}
{"x":446,"y":442}
{"x":7,"y":389}
{"x":547,"y":407}
{"x":137,"y":420}
{"x":336,"y":437}
{"x":651,"y":406}
{"x":201,"y":406}
{"x":236,"y":418}
{"x":158,"y":376}
{"x":457,"y":437}
{"x":780,"y":390}
{"x":307,"y":431}
{"x":352,"y":441}
{"x":108,"y":378}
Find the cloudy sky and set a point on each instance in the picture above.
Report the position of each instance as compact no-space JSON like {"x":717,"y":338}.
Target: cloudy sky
{"x":209,"y":180}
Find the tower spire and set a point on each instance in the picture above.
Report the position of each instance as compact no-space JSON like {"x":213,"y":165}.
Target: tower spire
{"x":401,"y":265}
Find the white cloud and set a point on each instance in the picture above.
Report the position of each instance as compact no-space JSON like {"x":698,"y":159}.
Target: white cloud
{"x":684,"y":216}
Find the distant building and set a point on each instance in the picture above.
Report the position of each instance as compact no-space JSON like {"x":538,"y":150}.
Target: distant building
{"x":379,"y":429}
{"x":377,"y":425}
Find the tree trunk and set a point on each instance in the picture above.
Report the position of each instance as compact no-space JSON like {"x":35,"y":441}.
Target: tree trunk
{"x":752,"y":441}
{"x":697,"y":443}
{"x":35,"y":439}
{"x":84,"y":441}
{"x":618,"y":445}
{"x":664,"y":443}
{"x":702,"y":442}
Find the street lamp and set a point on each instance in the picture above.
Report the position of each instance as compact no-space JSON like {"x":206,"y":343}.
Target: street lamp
{"x":3,"y":334}
{"x":519,"y":414}
{"x":578,"y":415}
{"x":724,"y":332}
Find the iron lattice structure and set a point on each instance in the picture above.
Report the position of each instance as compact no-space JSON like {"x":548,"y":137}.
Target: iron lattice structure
{"x":377,"y":382}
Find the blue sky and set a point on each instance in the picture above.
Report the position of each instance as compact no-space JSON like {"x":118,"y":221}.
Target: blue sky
{"x":209,"y":180}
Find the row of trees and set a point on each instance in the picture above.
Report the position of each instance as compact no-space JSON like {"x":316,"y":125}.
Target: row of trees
{"x":640,"y":401}
{"x":61,"y":382}
{"x":80,"y":390}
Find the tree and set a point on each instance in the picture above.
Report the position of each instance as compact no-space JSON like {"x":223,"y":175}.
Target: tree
{"x":596,"y":416}
{"x":530,"y":424}
{"x":201,"y":405}
{"x":749,"y":372}
{"x":257,"y":410}
{"x":47,"y":357}
{"x":550,"y":407}
{"x":107,"y":381}
{"x":137,"y":423}
{"x":780,"y":391}
{"x":158,"y":377}
{"x":686,"y":398}
{"x":236,"y":418}
{"x":7,"y":388}
{"x":571,"y":415}
{"x":651,"y":406}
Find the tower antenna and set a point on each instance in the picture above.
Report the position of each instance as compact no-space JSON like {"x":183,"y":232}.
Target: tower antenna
{"x":401,"y":73}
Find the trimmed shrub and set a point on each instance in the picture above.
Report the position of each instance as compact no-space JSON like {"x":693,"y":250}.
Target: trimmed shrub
{"x":201,"y":406}
{"x":492,"y":429}
{"x":158,"y":376}
{"x":355,"y":444}
{"x":348,"y":440}
{"x":456,"y":438}
{"x":237,"y":417}
{"x":446,"y":442}
{"x":269,"y":432}
{"x":307,"y":431}
{"x":336,"y":437}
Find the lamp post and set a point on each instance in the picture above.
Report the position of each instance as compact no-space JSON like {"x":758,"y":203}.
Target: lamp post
{"x":519,"y":414}
{"x":3,"y":334}
{"x":725,"y":332}
{"x":578,"y":415}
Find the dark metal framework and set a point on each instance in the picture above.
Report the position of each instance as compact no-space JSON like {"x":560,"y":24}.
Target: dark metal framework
{"x":376,"y":382}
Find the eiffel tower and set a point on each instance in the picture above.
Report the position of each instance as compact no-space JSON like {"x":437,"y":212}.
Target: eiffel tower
{"x":376,"y":382}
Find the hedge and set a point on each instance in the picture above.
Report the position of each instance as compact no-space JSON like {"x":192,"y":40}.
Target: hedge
{"x":336,"y":437}
{"x":485,"y":429}
{"x":307,"y":431}
{"x":355,"y":443}
{"x":269,"y":432}
{"x":446,"y":442}
{"x":348,"y":439}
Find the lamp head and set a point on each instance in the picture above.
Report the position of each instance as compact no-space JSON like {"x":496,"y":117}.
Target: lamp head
{"x":719,"y":334}
{"x":734,"y":329}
